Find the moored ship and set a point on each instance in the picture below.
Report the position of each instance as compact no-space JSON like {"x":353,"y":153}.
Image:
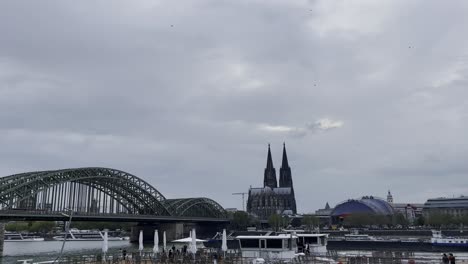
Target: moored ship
{"x":439,"y":240}
{"x":87,"y":235}
{"x":18,"y":237}
{"x":437,"y":243}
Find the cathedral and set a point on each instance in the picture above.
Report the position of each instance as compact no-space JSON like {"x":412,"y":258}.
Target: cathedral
{"x":271,"y":199}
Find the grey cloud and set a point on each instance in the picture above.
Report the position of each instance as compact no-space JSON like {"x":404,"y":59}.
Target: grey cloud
{"x":114,"y":84}
{"x":320,"y":125}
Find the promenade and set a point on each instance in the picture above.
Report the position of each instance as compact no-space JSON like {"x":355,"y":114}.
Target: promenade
{"x":232,"y":258}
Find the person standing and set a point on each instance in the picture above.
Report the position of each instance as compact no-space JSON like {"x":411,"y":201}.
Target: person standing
{"x":451,"y":258}
{"x":445,"y":259}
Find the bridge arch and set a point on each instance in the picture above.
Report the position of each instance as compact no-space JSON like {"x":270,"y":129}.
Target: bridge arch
{"x":195,"y":207}
{"x":82,"y":185}
{"x":95,"y":190}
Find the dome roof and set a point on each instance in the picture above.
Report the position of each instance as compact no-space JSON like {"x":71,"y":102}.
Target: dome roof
{"x":367,"y":204}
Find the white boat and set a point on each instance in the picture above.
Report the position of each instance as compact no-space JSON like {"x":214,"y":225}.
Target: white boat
{"x":439,"y":240}
{"x":18,"y":237}
{"x":282,"y":246}
{"x":86,"y":235}
{"x":276,"y":247}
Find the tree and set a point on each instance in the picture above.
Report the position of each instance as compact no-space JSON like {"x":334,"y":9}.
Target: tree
{"x":240,"y":220}
{"x":276,"y":222}
{"x":439,"y":219}
{"x":310,"y":221}
{"x":16,"y":226}
{"x":42,"y":227}
{"x":366,"y":219}
{"x":101,"y":225}
{"x":464,"y":219}
{"x":399,"y":219}
{"x":420,"y":221}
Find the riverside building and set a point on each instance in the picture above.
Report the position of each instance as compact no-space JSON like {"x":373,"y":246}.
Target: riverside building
{"x":451,"y":206}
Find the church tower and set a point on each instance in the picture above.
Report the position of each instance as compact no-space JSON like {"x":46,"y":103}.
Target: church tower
{"x":286,"y":181}
{"x":285,"y":171}
{"x":269,"y":199}
{"x":269,"y":179}
{"x":389,"y":197}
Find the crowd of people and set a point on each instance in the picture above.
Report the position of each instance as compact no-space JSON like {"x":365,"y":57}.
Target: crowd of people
{"x":172,"y":254}
{"x":450,"y":259}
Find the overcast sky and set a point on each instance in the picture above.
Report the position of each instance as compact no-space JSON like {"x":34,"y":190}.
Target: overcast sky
{"x":368,"y":95}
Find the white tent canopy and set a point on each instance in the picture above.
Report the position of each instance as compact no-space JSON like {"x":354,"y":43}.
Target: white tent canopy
{"x":187,"y":240}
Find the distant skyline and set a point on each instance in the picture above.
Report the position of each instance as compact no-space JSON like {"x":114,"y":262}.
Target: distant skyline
{"x":369,"y":96}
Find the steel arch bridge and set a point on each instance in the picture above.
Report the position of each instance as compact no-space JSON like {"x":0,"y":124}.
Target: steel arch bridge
{"x":97,"y":191}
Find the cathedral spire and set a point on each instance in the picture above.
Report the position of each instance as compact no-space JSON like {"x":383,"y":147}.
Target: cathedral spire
{"x":269,"y":179}
{"x":284,"y":164}
{"x":286,"y":179}
{"x":269,"y":159}
{"x":285,"y":171}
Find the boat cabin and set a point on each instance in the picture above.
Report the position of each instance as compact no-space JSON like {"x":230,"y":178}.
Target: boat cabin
{"x":312,"y":243}
{"x":281,"y":246}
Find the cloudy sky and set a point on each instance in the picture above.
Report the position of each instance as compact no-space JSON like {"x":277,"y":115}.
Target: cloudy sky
{"x":368,"y":95}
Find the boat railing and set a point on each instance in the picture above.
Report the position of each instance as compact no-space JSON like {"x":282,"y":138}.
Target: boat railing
{"x":148,"y":257}
{"x":71,"y":234}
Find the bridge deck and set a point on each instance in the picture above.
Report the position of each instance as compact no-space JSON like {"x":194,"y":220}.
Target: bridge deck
{"x":11,"y":215}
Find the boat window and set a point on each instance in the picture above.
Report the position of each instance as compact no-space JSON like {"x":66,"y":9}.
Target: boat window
{"x":262,"y":243}
{"x":249,"y":243}
{"x":292,"y":243}
{"x":310,"y":240}
{"x":275,"y":243}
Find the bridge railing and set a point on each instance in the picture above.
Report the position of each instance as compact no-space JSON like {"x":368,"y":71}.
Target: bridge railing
{"x":45,"y":214}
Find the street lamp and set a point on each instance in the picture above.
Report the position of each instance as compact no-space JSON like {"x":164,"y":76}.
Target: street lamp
{"x":67,"y":230}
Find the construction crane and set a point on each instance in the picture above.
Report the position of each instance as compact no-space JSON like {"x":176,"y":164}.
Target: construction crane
{"x":243,"y":198}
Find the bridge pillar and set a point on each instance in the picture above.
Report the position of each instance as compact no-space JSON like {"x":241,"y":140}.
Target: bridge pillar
{"x":208,"y":230}
{"x":174,"y":230}
{"x":182,"y":230}
{"x":2,"y":238}
{"x":148,"y":232}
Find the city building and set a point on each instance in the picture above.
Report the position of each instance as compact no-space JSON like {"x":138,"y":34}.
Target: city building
{"x":271,"y":198}
{"x":411,"y":211}
{"x":452,"y":206}
{"x":324,"y":214}
{"x":364,"y":205}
